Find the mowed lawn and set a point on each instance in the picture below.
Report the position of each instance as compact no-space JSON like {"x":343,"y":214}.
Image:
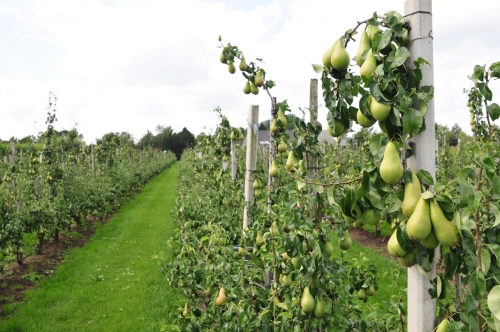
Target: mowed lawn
{"x":113,"y":283}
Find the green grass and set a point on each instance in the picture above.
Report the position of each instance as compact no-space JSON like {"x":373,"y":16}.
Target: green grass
{"x":113,"y":283}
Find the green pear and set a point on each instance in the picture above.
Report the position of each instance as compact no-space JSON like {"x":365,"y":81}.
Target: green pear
{"x":372,"y":216}
{"x":291,"y":161}
{"x":282,"y":118}
{"x":327,"y":249}
{"x":409,"y":259}
{"x":370,"y":291}
{"x":254,"y":89}
{"x":357,"y":224}
{"x":337,"y":130}
{"x":246,"y":88}
{"x":221,"y":298}
{"x":243,"y":64}
{"x":346,"y":242}
{"x":259,"y":239}
{"x":286,"y":227}
{"x":368,"y":67}
{"x":431,"y":241}
{"x":259,"y":80}
{"x":185,"y":312}
{"x":222,"y":57}
{"x":364,"y":44}
{"x":443,"y":326}
{"x":391,"y":168}
{"x":363,"y":121}
{"x":327,"y":62}
{"x":412,"y":195}
{"x":274,"y":127}
{"x":362,"y":294}
{"x":231,"y":67}
{"x":393,"y":246}
{"x":282,"y":147}
{"x":371,"y":30}
{"x":274,"y":170}
{"x":302,"y":166}
{"x":274,"y":230}
{"x":340,"y":58}
{"x":446,"y":232}
{"x":287,"y":280}
{"x":296,"y":260}
{"x":419,"y":225}
{"x":319,"y":308}
{"x":307,"y":301}
{"x":379,"y":111}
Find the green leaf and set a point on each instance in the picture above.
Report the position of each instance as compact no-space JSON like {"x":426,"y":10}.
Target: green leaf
{"x":493,"y":111}
{"x":300,"y":184}
{"x":318,"y":188}
{"x":494,"y":208}
{"x":494,"y":301}
{"x":329,"y":194}
{"x":425,"y":177}
{"x":264,"y":312}
{"x":495,"y":69}
{"x":412,"y":121}
{"x":400,"y":57}
{"x":285,"y":314}
{"x":479,"y":72}
{"x":477,"y":284}
{"x":318,"y":68}
{"x":485,"y":90}
{"x":463,"y":175}
{"x":485,"y":260}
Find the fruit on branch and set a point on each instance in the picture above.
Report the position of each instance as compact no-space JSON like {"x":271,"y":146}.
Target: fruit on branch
{"x":340,"y":58}
{"x":274,"y":230}
{"x":363,"y":121}
{"x":256,"y":184}
{"x":371,"y":30}
{"x":446,"y":232}
{"x":243,"y":64}
{"x":368,"y":67}
{"x":362,"y":294}
{"x":286,"y":227}
{"x":185,"y":312}
{"x":282,"y":147}
{"x":246,"y":88}
{"x":231,"y":67}
{"x":431,"y":241}
{"x":302,"y":166}
{"x":287,"y":280}
{"x":337,"y":130}
{"x":364,"y":44}
{"x":327,"y":57}
{"x":274,"y":127}
{"x":221,"y":298}
{"x":412,"y":195}
{"x":259,"y":80}
{"x":372,"y":216}
{"x":307,"y":301}
{"x":391,"y":168}
{"x":319,"y":308}
{"x":222,"y":57}
{"x":419,"y":225}
{"x":327,"y":249}
{"x":443,"y":326}
{"x":254,"y":89}
{"x":409,"y":259}
{"x":208,"y":292}
{"x":291,"y":161}
{"x":379,"y":111}
{"x":357,"y":214}
{"x":296,"y":260}
{"x":259,"y":239}
{"x":346,"y":242}
{"x":282,"y":118}
{"x":393,"y":246}
{"x":370,"y":291}
{"x":358,"y":224}
{"x":274,"y":170}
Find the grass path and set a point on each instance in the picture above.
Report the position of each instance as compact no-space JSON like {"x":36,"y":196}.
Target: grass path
{"x":111,"y":284}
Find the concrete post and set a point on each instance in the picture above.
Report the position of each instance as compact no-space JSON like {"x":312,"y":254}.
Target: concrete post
{"x":312,"y":161}
{"x":251,"y":159}
{"x":421,"y":307}
{"x":233,"y":160}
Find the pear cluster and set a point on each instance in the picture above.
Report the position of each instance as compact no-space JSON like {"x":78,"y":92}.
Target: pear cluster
{"x":308,"y":304}
{"x":253,"y":82}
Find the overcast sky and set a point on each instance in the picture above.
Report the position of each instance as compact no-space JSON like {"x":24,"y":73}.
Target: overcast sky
{"x":130,"y":65}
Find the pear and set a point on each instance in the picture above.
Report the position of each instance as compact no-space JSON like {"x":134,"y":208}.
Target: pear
{"x":296,"y":260}
{"x":431,"y":241}
{"x":368,"y":67}
{"x":443,"y":326}
{"x":346,"y":242}
{"x":328,"y":249}
{"x":274,"y":170}
{"x":372,"y":216}
{"x":287,"y":280}
{"x":391,"y":168}
{"x":319,"y":308}
{"x":371,"y":30}
{"x":307,"y":301}
{"x":221,"y":298}
{"x":208,"y":292}
{"x":256,"y":184}
{"x":358,"y":224}
{"x":286,"y":227}
{"x":412,"y":195}
{"x":327,"y":57}
{"x":357,"y":214}
{"x":393,"y":246}
{"x":282,"y":118}
{"x":379,"y":111}
{"x":246,"y":88}
{"x":243,"y":64}
{"x":259,"y":239}
{"x":370,"y":291}
{"x":282,"y":147}
{"x":337,"y":130}
{"x":274,"y":127}
{"x":362,"y":294}
{"x":340,"y":58}
{"x":291,"y":161}
{"x":254,"y":89}
{"x":302,"y":166}
{"x":409,"y":259}
{"x":231,"y":67}
{"x":259,"y":80}
{"x":274,"y":230}
{"x":364,"y":44}
{"x":446,"y":232}
{"x":185,"y":312}
{"x":363,"y":121}
{"x":419,"y":225}
{"x":222,"y":57}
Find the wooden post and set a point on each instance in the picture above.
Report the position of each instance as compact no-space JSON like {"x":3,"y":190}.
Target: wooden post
{"x":92,"y":157}
{"x":251,"y":159}
{"x":233,"y":160}
{"x":421,"y":307}
{"x":313,"y":160}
